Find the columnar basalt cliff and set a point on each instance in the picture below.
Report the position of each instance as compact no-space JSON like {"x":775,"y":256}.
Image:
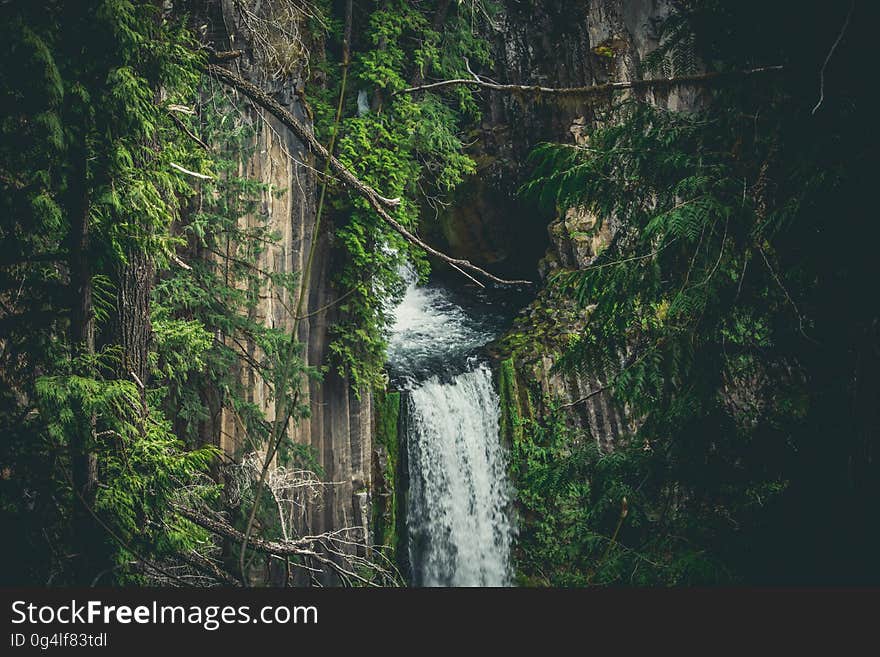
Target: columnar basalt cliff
{"x":278,"y":274}
{"x":556,"y":44}
{"x":338,"y":428}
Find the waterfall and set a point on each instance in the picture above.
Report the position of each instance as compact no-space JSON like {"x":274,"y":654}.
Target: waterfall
{"x":458,"y":505}
{"x":458,"y":525}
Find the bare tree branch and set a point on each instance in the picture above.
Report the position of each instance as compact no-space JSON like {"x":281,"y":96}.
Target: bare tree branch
{"x":319,"y":548}
{"x":183,"y":109}
{"x":293,"y":548}
{"x":194,"y":174}
{"x":589,"y":395}
{"x":379,"y":203}
{"x":208,"y":567}
{"x":829,"y":55}
{"x":305,"y":135}
{"x":189,"y":133}
{"x":592,"y":90}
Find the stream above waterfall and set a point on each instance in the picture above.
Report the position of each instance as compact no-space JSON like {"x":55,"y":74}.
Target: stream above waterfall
{"x":437,"y":328}
{"x":459,"y":527}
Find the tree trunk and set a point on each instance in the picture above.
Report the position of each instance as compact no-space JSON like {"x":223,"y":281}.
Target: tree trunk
{"x":133,"y":328}
{"x":83,"y":462}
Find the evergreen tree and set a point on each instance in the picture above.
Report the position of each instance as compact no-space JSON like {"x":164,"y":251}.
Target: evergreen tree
{"x":734,"y":317}
{"x":91,"y":184}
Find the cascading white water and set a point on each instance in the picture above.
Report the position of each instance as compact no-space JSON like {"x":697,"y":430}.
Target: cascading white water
{"x":458,"y":523}
{"x":457,"y":516}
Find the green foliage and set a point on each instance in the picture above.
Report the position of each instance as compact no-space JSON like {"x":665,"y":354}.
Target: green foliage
{"x":602,"y":519}
{"x":713,"y":301}
{"x":406,"y":146}
{"x":80,"y":145}
{"x":511,"y":421}
{"x":385,"y":501}
{"x":143,"y":465}
{"x":206,"y":317}
{"x":673,"y":305}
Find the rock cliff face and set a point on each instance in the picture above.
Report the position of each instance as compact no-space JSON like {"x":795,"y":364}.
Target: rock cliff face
{"x":533,"y":43}
{"x":592,"y":42}
{"x":339,"y":429}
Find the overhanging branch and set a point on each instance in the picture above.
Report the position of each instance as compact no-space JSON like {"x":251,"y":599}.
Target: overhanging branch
{"x":266,"y":101}
{"x":377,"y":202}
{"x":592,"y":90}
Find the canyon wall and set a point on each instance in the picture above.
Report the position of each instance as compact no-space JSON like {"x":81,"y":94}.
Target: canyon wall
{"x":338,"y":428}
{"x":557,"y":44}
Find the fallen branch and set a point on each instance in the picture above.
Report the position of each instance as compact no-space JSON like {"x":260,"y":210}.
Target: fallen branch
{"x":306,"y":546}
{"x":305,"y":135}
{"x":591,"y":90}
{"x":208,"y":567}
{"x":379,"y":203}
{"x":292,"y":548}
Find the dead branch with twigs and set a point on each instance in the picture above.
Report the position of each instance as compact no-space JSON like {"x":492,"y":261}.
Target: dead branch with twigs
{"x":342,"y":552}
{"x":590,"y":90}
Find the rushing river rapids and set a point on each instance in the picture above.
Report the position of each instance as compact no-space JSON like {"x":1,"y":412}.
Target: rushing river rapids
{"x":458,"y":513}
